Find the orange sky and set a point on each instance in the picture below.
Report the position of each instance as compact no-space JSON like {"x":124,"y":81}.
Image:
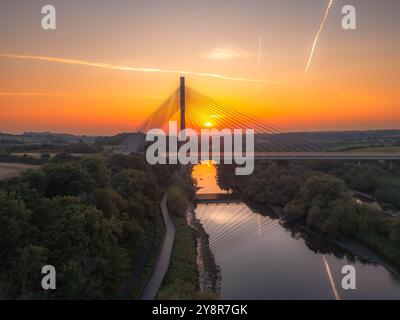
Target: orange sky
{"x":352,"y":82}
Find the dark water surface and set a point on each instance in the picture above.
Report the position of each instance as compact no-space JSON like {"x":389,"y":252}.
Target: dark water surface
{"x":262,"y":259}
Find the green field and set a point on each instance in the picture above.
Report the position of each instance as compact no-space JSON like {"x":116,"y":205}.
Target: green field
{"x":386,"y":149}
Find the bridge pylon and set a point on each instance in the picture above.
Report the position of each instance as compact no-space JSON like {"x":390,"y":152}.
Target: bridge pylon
{"x":182,"y":102}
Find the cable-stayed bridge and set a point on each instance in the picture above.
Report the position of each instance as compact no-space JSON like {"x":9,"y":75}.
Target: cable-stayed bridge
{"x":194,"y":110}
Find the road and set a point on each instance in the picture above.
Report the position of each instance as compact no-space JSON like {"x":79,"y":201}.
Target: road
{"x":153,"y":285}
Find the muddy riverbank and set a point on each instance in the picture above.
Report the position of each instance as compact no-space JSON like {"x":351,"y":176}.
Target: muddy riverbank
{"x":208,"y":270}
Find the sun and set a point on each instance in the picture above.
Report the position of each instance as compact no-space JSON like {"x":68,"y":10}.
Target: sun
{"x":208,"y":124}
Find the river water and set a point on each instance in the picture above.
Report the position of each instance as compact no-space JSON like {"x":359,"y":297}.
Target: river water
{"x":260,"y":258}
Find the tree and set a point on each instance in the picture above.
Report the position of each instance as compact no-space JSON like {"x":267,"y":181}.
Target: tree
{"x":110,"y":202}
{"x":318,"y":200}
{"x":36,"y":179}
{"x":177,"y":201}
{"x":97,"y":170}
{"x":27,"y":270}
{"x":395,"y":231}
{"x":15,"y":229}
{"x":83,"y":247}
{"x":16,"y":233}
{"x":67,"y":179}
{"x":79,"y":216}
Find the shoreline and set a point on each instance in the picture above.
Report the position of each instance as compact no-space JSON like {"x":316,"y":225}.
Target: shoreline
{"x":355,"y":247}
{"x":208,"y":271}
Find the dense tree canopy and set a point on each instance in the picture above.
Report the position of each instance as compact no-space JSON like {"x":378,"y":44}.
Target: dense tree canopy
{"x":88,"y":218}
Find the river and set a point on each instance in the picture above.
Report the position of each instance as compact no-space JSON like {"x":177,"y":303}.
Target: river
{"x":261,"y":258}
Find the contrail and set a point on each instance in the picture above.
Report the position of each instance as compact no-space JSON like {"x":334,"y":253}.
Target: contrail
{"x":259,"y":53}
{"x":317,"y":36}
{"x":133,"y":69}
{"x":259,"y":58}
{"x":330,"y":278}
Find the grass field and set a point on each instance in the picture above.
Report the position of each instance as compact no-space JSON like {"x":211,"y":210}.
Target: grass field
{"x":377,"y":150}
{"x":9,"y":170}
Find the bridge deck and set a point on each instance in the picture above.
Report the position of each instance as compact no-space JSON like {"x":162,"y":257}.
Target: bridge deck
{"x":216,"y":198}
{"x":297,"y":155}
{"x":325,"y":156}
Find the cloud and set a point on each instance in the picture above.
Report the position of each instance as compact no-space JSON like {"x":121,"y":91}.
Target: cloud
{"x":134,"y":69}
{"x":227,"y":53}
{"x":38,"y":94}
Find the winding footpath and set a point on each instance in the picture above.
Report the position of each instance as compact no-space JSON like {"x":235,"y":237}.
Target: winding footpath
{"x":161,"y":268}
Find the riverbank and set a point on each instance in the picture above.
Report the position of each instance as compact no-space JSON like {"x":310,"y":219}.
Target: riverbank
{"x":355,"y":247}
{"x":182,"y":280}
{"x":209,"y":272}
{"x":322,"y":201}
{"x":192,"y":273}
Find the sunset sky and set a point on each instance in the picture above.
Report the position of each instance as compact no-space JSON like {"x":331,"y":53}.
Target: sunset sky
{"x":71,"y":79}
